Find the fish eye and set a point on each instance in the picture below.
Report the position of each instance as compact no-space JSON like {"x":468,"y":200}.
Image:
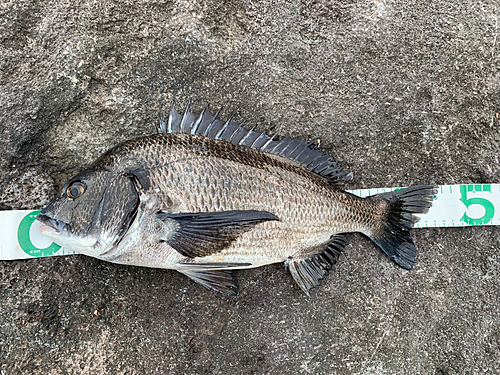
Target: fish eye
{"x":75,"y":190}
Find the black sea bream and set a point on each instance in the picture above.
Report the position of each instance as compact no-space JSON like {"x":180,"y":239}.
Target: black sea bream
{"x":205,"y":197}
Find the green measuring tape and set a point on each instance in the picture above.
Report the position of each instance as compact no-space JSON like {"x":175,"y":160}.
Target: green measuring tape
{"x":25,"y":242}
{"x":457,"y":205}
{"x":454,"y":206}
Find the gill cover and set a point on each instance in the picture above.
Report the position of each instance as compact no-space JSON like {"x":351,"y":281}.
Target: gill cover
{"x":93,"y":217}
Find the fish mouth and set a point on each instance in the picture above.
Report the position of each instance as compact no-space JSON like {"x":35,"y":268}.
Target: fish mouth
{"x":50,"y":224}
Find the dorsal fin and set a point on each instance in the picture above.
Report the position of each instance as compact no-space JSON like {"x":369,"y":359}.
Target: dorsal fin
{"x":303,"y":152}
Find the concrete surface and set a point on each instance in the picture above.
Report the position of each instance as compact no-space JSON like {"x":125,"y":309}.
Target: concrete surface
{"x":402,"y":92}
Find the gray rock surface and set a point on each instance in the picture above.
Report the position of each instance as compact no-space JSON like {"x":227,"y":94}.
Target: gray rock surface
{"x":402,"y":92}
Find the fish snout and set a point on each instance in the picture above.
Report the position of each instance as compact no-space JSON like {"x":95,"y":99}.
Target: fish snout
{"x":50,"y":224}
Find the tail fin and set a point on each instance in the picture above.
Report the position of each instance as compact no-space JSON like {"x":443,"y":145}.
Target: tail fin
{"x":394,"y":238}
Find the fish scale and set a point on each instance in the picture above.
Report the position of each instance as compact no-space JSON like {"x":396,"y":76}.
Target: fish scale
{"x":249,"y":184}
{"x":206,"y":196}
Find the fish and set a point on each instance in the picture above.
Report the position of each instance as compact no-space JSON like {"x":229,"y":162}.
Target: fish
{"x":206,"y":197}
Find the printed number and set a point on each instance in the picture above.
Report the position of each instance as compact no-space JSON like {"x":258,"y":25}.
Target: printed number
{"x":24,"y":240}
{"x":489,"y":209}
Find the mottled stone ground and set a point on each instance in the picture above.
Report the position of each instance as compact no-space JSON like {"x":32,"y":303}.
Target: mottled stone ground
{"x":402,"y":92}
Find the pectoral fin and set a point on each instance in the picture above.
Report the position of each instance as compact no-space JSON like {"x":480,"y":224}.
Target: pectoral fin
{"x":205,"y":233}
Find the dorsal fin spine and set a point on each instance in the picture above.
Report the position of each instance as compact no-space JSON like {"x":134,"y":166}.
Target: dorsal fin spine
{"x":246,"y":136}
{"x":279,"y":144}
{"x":263,"y":147}
{"x":185,"y":115}
{"x":224,"y":127}
{"x":290,"y":150}
{"x":199,"y":120}
{"x":282,"y":151}
{"x":211,"y":123}
{"x":300,"y":153}
{"x":261,"y":136}
{"x":236,"y":131}
{"x":171,"y":119}
{"x":161,"y":127}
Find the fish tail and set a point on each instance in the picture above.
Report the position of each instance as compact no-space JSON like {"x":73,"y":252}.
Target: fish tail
{"x":401,"y":207}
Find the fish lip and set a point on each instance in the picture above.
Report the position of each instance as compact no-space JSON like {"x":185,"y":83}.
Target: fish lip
{"x":55,"y":224}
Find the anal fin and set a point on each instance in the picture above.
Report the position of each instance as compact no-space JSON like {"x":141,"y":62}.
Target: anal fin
{"x":307,"y":272}
{"x":219,"y":280}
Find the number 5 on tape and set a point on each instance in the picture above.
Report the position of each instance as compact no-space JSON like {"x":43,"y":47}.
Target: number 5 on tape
{"x":489,"y":208}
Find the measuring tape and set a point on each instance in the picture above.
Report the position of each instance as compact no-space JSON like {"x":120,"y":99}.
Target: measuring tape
{"x":454,"y":206}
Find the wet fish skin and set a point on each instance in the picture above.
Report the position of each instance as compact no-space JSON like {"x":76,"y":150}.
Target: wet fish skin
{"x":205,"y":197}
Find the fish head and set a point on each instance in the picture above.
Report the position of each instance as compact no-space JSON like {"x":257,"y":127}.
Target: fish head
{"x":91,"y":212}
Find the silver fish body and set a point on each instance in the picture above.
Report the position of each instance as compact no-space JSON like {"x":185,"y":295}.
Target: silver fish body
{"x":205,"y":197}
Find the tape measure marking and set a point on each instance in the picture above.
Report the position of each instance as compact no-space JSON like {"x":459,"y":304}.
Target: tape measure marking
{"x":25,"y":242}
{"x":457,"y":205}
